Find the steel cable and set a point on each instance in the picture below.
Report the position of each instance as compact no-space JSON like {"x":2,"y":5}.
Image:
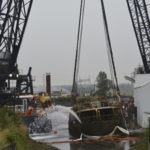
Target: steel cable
{"x":78,"y":49}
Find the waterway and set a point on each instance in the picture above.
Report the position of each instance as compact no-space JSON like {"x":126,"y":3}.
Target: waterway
{"x":60,"y":133}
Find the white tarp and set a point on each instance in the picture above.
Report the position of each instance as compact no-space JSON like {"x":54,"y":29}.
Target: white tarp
{"x":142,"y":98}
{"x":141,"y":80}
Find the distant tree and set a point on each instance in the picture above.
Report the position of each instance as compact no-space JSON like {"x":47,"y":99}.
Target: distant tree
{"x":103,"y":84}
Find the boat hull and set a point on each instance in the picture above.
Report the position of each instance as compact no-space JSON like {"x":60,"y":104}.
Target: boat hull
{"x":94,"y":127}
{"x":99,"y":128}
{"x":74,"y":127}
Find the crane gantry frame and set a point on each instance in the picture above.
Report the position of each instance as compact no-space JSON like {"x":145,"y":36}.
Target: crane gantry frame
{"x":14,"y":15}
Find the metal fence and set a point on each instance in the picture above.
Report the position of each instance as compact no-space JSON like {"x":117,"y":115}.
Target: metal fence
{"x":9,"y":147}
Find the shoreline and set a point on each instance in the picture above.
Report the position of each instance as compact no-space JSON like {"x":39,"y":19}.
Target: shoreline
{"x":13,"y":130}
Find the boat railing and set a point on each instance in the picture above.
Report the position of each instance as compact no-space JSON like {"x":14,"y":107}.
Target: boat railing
{"x":102,"y":117}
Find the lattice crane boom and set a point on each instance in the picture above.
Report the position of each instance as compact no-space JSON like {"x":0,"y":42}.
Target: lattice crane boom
{"x":13,"y":20}
{"x":141,"y":24}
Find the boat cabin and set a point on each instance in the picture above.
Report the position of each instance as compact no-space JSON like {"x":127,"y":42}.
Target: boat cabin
{"x":103,"y":113}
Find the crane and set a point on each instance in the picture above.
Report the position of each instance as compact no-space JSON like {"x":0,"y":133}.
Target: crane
{"x":141,"y":24}
{"x":14,"y":16}
{"x":78,"y":50}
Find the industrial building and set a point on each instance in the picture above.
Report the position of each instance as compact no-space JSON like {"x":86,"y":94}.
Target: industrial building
{"x":142,"y":98}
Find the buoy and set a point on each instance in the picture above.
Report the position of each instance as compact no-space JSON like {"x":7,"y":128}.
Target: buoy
{"x":55,"y":132}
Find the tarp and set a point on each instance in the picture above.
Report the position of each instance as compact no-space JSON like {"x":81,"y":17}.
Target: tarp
{"x":141,"y":80}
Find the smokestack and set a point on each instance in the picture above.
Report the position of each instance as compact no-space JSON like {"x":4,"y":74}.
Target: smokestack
{"x":48,"y":84}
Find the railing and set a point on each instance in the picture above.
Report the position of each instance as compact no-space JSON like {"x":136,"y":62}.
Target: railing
{"x":9,"y":147}
{"x":102,"y":117}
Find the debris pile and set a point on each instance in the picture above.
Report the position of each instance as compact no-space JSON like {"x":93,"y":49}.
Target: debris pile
{"x":41,"y":124}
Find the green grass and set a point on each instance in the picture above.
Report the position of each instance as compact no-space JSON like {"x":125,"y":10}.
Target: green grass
{"x":8,"y":118}
{"x":143,"y":144}
{"x":12,"y":130}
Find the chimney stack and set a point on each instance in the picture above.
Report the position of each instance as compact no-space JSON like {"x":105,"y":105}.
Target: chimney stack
{"x":48,"y":84}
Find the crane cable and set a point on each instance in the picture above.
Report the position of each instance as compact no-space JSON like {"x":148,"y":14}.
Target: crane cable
{"x":109,"y":50}
{"x":78,"y":49}
{"x":111,"y":59}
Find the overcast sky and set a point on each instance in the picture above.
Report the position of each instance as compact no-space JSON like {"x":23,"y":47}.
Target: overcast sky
{"x":49,"y":43}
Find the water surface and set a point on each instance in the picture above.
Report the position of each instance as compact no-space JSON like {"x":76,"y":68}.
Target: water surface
{"x":59,"y":119}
